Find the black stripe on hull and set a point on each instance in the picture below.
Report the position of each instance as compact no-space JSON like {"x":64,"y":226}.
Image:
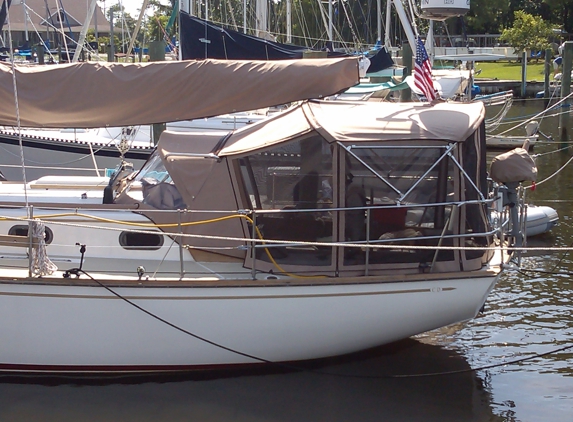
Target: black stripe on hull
{"x":75,"y":147}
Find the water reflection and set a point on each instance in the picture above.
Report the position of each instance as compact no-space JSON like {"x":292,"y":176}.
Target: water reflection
{"x":348,"y":389}
{"x":528,"y":313}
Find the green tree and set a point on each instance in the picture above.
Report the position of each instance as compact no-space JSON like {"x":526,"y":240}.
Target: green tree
{"x":102,"y":42}
{"x":561,"y":12}
{"x":527,"y":33}
{"x":485,"y":16}
{"x":156,"y":26}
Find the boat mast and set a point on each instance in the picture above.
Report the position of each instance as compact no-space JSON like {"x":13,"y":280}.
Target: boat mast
{"x":84,"y":31}
{"x":261,"y":27}
{"x":25,"y":10}
{"x":137,"y":26}
{"x":244,"y":16}
{"x":379,"y":19}
{"x":288,"y":22}
{"x":430,"y":42}
{"x":407,"y":23}
{"x":61,"y":16}
{"x":326,"y":20}
{"x":330,"y":12}
{"x":387,"y":35}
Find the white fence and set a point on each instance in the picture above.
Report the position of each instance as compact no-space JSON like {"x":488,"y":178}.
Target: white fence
{"x":508,"y":52}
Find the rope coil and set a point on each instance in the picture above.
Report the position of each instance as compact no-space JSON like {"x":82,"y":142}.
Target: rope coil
{"x":41,"y":264}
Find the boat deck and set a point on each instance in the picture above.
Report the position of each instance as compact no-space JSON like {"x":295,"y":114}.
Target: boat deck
{"x":19,"y":276}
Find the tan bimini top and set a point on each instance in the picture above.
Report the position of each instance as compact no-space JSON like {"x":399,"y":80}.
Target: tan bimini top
{"x":86,"y":95}
{"x":340,"y":121}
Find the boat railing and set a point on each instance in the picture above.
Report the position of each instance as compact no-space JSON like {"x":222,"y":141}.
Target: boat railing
{"x":409,"y":237}
{"x":260,"y":238}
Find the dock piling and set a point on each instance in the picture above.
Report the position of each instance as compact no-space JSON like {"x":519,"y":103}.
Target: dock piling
{"x":408,"y":63}
{"x":523,"y":74}
{"x":565,"y":91}
{"x":547,"y":72}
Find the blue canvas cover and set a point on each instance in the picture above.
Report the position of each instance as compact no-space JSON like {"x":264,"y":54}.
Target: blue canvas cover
{"x":201,"y":39}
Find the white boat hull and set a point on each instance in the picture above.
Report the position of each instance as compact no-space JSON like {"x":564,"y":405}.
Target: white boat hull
{"x":62,"y":327}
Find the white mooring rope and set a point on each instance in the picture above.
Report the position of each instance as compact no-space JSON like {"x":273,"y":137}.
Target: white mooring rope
{"x":41,"y":264}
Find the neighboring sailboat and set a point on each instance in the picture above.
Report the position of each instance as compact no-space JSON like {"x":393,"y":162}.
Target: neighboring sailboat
{"x":499,"y":141}
{"x":86,"y":152}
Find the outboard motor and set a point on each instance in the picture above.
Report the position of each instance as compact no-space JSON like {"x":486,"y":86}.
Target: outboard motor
{"x":511,"y":169}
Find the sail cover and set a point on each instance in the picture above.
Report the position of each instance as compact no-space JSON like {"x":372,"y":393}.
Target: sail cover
{"x":86,"y":95}
{"x":201,"y":39}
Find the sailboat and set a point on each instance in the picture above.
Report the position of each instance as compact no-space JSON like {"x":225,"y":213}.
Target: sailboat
{"x":326,"y":229}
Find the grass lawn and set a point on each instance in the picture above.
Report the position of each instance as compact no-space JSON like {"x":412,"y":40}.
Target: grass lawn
{"x":512,"y":70}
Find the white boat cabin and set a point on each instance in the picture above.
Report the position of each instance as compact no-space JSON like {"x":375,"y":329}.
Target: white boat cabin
{"x":315,"y":189}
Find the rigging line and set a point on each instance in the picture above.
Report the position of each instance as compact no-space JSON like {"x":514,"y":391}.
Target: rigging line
{"x":232,"y":14}
{"x":565,"y":253}
{"x":552,"y":175}
{"x":262,"y":240}
{"x":323,"y":17}
{"x":554,"y":200}
{"x":17,"y":106}
{"x":56,"y":29}
{"x":548,"y":138}
{"x":304,"y":27}
{"x":264,"y":243}
{"x":65,"y":16}
{"x":125,"y":30}
{"x":552,"y":97}
{"x":367,"y":18}
{"x":494,"y":122}
{"x":519,"y":121}
{"x":336,"y":32}
{"x":552,"y":152}
{"x":27,"y":16}
{"x":313,"y":371}
{"x":524,"y":272}
{"x":541,"y":113}
{"x":352,"y":24}
{"x":484,"y":367}
{"x":62,"y":29}
{"x":164,"y":33}
{"x":350,"y":20}
{"x":510,"y":120}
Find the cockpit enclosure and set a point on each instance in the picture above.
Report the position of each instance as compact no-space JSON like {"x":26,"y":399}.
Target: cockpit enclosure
{"x":339,"y":189}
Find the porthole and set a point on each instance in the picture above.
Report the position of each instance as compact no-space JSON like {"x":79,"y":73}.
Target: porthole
{"x":22,"y":230}
{"x":141,"y":241}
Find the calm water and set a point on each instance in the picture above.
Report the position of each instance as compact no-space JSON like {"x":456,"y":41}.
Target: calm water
{"x":528,"y":313}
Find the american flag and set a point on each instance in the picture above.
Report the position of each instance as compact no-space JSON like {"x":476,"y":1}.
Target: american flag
{"x":423,"y":72}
